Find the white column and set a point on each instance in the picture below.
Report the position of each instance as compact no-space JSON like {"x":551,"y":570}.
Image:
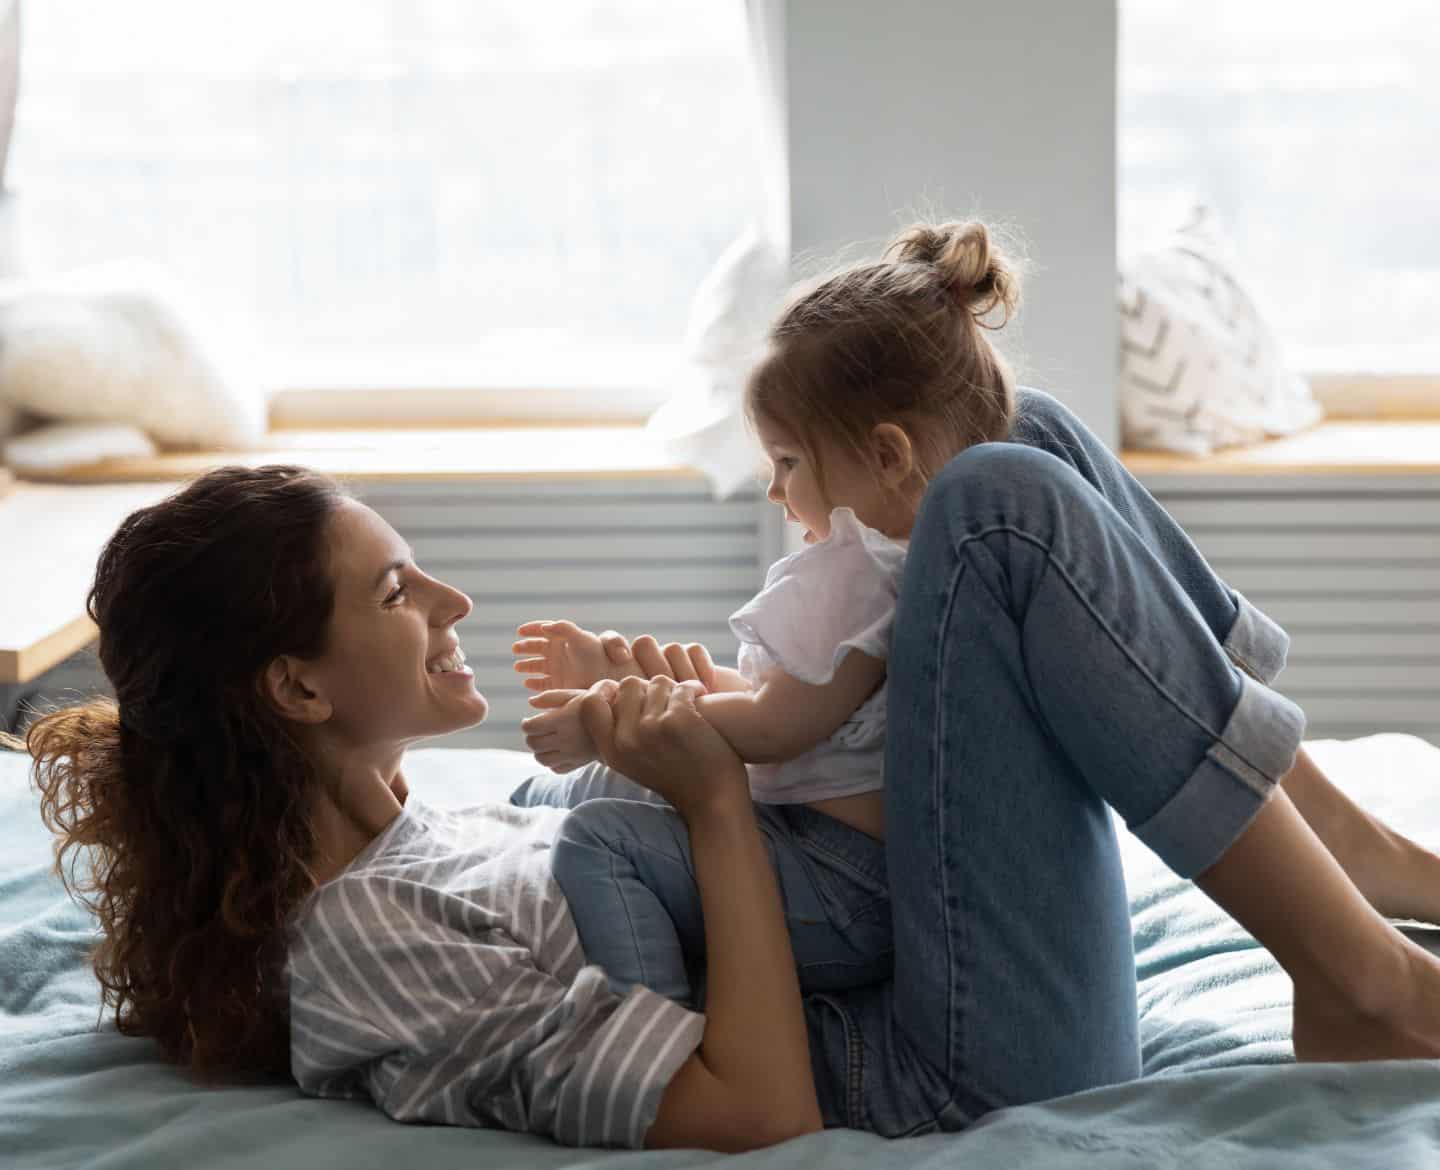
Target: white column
{"x":953,"y":108}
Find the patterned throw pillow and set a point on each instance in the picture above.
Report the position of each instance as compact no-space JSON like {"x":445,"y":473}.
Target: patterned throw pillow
{"x":1199,"y":366}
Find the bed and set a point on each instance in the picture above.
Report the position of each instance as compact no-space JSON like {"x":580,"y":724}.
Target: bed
{"x":1219,"y":1092}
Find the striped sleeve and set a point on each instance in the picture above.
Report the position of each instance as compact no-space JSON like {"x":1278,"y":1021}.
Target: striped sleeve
{"x":438,"y":1027}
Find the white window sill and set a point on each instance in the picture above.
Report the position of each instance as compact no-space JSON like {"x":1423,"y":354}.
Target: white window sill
{"x":1386,"y":447}
{"x":421,"y":455}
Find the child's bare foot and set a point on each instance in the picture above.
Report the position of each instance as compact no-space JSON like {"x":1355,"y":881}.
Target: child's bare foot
{"x":1399,"y":1019}
{"x":559,"y":655}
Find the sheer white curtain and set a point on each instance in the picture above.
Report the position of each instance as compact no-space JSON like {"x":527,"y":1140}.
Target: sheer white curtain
{"x":702,"y":424}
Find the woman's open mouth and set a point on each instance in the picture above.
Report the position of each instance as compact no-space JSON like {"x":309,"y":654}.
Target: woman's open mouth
{"x":451,"y":662}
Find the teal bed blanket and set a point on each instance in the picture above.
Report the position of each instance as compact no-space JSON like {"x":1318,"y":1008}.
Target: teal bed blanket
{"x":1220,"y":1092}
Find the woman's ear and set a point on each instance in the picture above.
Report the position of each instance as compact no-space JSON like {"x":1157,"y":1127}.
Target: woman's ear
{"x":894,"y":454}
{"x":286,"y":683}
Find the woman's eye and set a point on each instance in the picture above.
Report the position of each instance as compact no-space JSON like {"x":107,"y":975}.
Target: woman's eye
{"x":396,"y":596}
{"x":787,"y":462}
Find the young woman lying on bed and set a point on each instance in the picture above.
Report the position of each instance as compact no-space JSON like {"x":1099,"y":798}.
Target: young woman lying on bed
{"x":272,"y":900}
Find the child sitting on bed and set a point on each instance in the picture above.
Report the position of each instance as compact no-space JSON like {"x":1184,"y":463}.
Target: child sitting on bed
{"x":806,"y":708}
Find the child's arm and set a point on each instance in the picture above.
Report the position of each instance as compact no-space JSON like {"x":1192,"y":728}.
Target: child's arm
{"x":671,"y":660}
{"x":780,"y":721}
{"x":787,"y":717}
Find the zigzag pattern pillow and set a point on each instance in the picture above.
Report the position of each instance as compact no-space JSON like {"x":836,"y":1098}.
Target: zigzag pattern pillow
{"x":1199,"y":366}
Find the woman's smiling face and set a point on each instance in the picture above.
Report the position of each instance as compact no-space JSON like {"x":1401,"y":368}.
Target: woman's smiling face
{"x":392,"y":671}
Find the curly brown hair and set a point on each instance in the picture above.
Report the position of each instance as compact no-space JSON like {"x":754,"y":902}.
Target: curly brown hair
{"x":187,"y":798}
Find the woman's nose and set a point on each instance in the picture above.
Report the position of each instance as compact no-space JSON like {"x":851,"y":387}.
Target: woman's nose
{"x":451,"y":605}
{"x":775,"y":493}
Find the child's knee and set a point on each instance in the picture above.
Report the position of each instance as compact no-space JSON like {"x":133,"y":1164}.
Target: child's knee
{"x":1000,"y":481}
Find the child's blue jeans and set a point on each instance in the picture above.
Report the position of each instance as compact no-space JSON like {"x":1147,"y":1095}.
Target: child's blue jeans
{"x":622,"y":858}
{"x":1060,"y":646}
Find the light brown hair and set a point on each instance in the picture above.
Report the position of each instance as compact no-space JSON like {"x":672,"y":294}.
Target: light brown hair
{"x":186,"y":798}
{"x":901,"y":340}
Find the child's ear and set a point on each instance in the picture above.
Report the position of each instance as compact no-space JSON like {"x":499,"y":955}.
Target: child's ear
{"x":894,"y":454}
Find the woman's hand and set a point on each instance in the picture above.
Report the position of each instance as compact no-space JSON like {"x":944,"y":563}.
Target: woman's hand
{"x":651,"y":732}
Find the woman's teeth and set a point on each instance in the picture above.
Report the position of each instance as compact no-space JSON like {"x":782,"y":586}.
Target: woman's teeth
{"x":452,"y":661}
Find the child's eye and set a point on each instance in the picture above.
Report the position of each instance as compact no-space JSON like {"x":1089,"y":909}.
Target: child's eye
{"x":787,"y":462}
{"x":396,"y":596}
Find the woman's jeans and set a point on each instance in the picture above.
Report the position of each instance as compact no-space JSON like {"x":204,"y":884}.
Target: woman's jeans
{"x":1059,"y":646}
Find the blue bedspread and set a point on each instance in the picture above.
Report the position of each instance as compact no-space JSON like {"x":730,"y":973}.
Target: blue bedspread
{"x":1220,"y":1093}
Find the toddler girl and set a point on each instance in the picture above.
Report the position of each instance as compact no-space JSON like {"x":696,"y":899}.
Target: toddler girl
{"x":873,"y":380}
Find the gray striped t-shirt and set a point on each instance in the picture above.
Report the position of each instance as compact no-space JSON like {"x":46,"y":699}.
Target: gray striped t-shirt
{"x":440,"y":974}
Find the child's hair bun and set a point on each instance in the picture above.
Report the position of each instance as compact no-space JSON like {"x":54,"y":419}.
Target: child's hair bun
{"x":970,"y":266}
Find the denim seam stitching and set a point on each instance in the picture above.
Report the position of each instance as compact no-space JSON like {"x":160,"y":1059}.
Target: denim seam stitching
{"x":1080,"y":596}
{"x":855,"y":1072}
{"x":842,"y":861}
{"x":630,"y":922}
{"x":954,"y":1043}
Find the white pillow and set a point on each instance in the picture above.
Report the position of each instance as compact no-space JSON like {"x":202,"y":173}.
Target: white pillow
{"x":1199,"y":366}
{"x":56,"y":446}
{"x":113,"y":345}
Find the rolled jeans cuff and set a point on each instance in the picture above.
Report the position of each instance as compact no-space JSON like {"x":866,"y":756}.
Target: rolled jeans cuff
{"x":1234,"y":779}
{"x":1256,"y":644}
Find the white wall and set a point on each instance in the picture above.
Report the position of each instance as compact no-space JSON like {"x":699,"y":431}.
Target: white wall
{"x":952,"y":108}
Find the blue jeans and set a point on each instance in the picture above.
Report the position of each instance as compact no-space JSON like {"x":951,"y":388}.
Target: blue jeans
{"x":623,"y":860}
{"x":1059,"y":646}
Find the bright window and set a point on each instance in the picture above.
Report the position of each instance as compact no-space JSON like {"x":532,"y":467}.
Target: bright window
{"x":397,"y":192}
{"x":1313,"y":129}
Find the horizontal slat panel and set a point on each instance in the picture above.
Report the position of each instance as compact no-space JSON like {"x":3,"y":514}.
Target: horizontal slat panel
{"x":1379,"y":712}
{"x":1357,"y":677}
{"x":1325,"y":641}
{"x":560,"y":488}
{"x":1288,"y":486}
{"x":1286,"y":513}
{"x":583,"y":517}
{"x":432,"y":549}
{"x":1327,"y":577}
{"x":1350,"y":612}
{"x":487,"y":735}
{"x":509,"y":703}
{"x":685,"y":583}
{"x":493,"y":639}
{"x":631,"y":615}
{"x":1429,"y":730}
{"x":1317,"y":545}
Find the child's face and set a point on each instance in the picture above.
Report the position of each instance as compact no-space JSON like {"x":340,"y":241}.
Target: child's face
{"x":795,"y":485}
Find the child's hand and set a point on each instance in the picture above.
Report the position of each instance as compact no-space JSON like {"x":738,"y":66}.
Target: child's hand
{"x":559,"y":655}
{"x":557,"y":736}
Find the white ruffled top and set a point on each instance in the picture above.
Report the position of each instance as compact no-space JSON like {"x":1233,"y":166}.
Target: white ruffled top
{"x":817,"y":605}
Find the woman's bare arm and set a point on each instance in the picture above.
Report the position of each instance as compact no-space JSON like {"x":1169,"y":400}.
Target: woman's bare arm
{"x":750,"y":1082}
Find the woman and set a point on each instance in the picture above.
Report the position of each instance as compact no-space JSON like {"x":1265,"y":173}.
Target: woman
{"x":274,"y":651}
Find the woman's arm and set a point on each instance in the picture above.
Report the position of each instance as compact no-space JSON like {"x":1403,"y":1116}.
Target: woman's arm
{"x":750,"y":1082}
{"x":787,"y":717}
